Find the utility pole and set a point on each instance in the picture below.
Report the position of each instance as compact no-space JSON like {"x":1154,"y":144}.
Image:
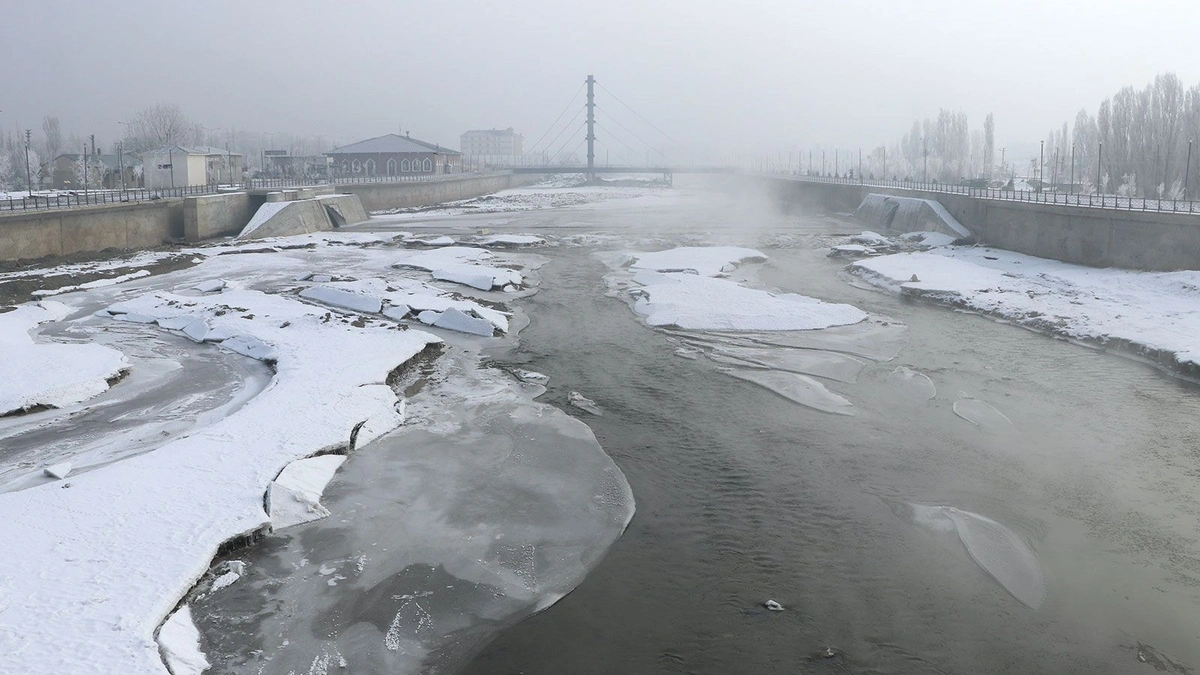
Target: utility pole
{"x":591,"y":129}
{"x":860,"y":176}
{"x":1187,"y":169}
{"x":85,"y":174}
{"x":1072,"y":168}
{"x":28,"y":178}
{"x":822,"y":162}
{"x":1099,"y":156}
{"x":121,"y":164}
{"x":836,"y":152}
{"x":93,"y":137}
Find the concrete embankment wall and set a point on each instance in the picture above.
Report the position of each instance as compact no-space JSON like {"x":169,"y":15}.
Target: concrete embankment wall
{"x":36,"y":234}
{"x":1144,"y":240}
{"x":211,"y":216}
{"x":383,"y":196}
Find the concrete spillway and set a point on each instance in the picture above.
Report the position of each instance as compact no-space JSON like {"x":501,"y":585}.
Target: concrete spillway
{"x":281,"y":219}
{"x":908,"y":214}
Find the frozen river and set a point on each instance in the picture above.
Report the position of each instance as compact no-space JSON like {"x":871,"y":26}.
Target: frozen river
{"x":925,"y":490}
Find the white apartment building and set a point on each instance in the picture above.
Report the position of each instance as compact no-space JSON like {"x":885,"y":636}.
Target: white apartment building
{"x":492,"y":147}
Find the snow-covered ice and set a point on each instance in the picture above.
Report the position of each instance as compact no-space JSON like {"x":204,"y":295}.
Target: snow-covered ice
{"x":1153,"y":312}
{"x":795,"y":387}
{"x":336,"y":297}
{"x":295,"y":496}
{"x":457,"y":320}
{"x":50,"y":374}
{"x":180,"y":644}
{"x":706,"y":261}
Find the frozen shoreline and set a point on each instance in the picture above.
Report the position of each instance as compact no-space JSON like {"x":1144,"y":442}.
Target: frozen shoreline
{"x":1153,"y":315}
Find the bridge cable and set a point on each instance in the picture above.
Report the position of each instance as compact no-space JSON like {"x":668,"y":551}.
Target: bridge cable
{"x":638,"y":138}
{"x":579,"y":145}
{"x":563,"y":130}
{"x":618,"y":139}
{"x":564,"y":145}
{"x":620,"y":153}
{"x":618,"y":100}
{"x":556,"y":120}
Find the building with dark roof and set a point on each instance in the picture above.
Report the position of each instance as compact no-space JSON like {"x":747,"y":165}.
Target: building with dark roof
{"x":393,"y":155}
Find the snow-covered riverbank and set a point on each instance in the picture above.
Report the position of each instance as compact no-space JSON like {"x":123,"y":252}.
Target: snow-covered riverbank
{"x":1156,"y":314}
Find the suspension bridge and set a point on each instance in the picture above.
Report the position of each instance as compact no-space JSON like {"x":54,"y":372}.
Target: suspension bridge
{"x":628,"y":146}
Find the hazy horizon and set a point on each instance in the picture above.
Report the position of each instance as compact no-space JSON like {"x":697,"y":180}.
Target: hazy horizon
{"x":759,"y":77}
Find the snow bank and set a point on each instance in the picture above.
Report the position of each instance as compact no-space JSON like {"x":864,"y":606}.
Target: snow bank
{"x":701,"y":303}
{"x":99,"y":565}
{"x":1152,"y":311}
{"x":49,"y":374}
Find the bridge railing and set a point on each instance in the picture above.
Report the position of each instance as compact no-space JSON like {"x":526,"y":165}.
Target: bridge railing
{"x":1099,"y":201}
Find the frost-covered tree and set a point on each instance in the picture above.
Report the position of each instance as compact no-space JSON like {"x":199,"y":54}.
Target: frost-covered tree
{"x":89,"y":171}
{"x":158,"y":125}
{"x":6,"y":178}
{"x":53,"y":140}
{"x":989,"y":145}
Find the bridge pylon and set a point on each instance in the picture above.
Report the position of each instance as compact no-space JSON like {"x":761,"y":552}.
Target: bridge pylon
{"x":591,"y":129}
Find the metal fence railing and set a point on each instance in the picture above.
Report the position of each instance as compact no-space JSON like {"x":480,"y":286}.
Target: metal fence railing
{"x":1042,"y":197}
{"x":78,"y":198}
{"x":269,"y":183}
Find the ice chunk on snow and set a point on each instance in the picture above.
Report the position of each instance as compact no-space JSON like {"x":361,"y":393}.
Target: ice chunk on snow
{"x":478,"y":276}
{"x":59,"y":471}
{"x":530,"y":376}
{"x":701,"y":303}
{"x":226,"y":579}
{"x":429,"y":317}
{"x":434,"y":241}
{"x":337,"y":297}
{"x":247,"y":345}
{"x":179,"y":644}
{"x":176,"y":322}
{"x":850,"y":251}
{"x":704,"y":260}
{"x":873,"y":239}
{"x":397,"y":312}
{"x":134,"y":317}
{"x":773,"y":606}
{"x":453,"y":319}
{"x":928,"y":239}
{"x":511,"y":240}
{"x":196,"y":330}
{"x":210,"y":285}
{"x":295,"y":496}
{"x":797,"y":388}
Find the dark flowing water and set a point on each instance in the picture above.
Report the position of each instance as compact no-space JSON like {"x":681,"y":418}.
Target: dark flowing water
{"x":744,"y":495}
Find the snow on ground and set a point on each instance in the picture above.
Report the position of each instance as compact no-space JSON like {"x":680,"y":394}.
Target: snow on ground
{"x":180,"y":642}
{"x":98,"y":283}
{"x":295,"y":496}
{"x":695,"y":300}
{"x":36,"y":374}
{"x":511,"y":240}
{"x":111,"y":551}
{"x":1157,"y":311}
{"x":457,"y":264}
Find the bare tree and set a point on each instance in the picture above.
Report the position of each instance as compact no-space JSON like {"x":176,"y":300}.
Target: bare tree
{"x":989,"y":145}
{"x":158,"y":125}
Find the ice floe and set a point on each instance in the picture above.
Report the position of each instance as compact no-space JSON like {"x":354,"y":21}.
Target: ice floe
{"x":180,"y":644}
{"x":979,"y":413}
{"x":34,"y":374}
{"x":295,"y":496}
{"x":796,"y":388}
{"x":912,"y":383}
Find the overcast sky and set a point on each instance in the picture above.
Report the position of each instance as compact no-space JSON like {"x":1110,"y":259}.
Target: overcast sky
{"x":750,"y":74}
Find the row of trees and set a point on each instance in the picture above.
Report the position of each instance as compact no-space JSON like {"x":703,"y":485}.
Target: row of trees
{"x":1137,"y":144}
{"x":1145,"y":135}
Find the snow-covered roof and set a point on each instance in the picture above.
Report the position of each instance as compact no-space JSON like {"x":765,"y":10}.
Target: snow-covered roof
{"x":205,"y":150}
{"x":390,"y":144}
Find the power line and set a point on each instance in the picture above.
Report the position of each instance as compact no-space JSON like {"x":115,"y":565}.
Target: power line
{"x":555,"y":123}
{"x":618,"y":100}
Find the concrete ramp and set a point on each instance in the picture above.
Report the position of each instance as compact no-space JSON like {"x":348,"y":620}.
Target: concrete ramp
{"x":302,"y":216}
{"x":908,"y":214}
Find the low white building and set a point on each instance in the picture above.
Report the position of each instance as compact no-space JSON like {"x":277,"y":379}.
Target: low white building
{"x":176,"y":166}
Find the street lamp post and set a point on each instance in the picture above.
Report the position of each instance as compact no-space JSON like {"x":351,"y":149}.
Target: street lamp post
{"x":28,"y":178}
{"x":1041,"y":164}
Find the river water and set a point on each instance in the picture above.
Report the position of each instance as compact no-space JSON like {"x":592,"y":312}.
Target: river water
{"x":744,"y":496}
{"x":867,"y":528}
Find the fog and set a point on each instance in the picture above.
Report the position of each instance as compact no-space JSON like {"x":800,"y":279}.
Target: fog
{"x":720,"y":77}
